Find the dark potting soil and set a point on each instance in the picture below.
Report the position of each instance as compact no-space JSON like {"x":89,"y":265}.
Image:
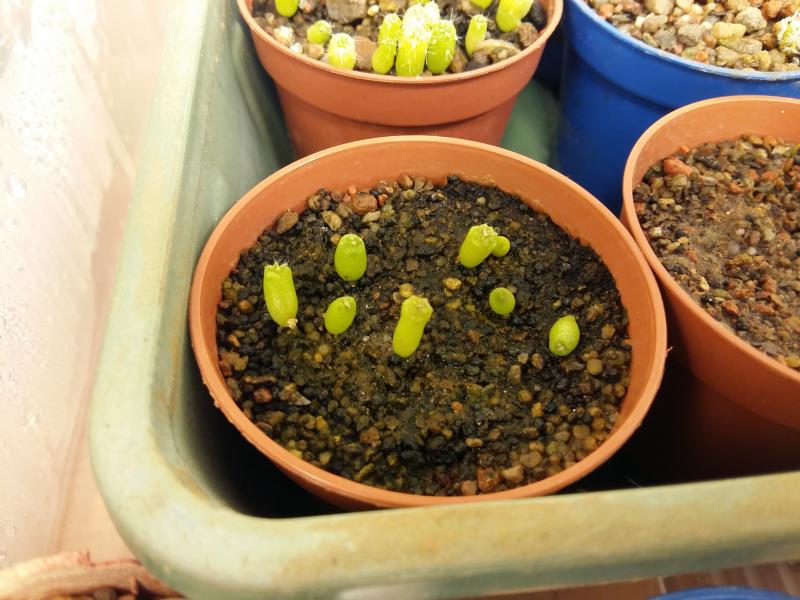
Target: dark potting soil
{"x":724,"y":219}
{"x":367,"y":17}
{"x":482,"y":405}
{"x":738,"y":34}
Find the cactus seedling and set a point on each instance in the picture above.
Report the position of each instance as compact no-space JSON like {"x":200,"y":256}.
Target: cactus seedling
{"x":388,"y":35}
{"x":476,"y":32}
{"x":280,"y":295}
{"x":477,"y":245}
{"x":510,"y":13}
{"x":502,"y":300}
{"x":788,"y":34}
{"x":564,"y":336}
{"x":350,"y":258}
{"x":482,"y":4}
{"x":502,"y":246}
{"x":415,"y":312}
{"x":411,"y":52}
{"x":319,"y":33}
{"x":340,"y":314}
{"x":342,"y":51}
{"x":286,"y":8}
{"x":441,"y":49}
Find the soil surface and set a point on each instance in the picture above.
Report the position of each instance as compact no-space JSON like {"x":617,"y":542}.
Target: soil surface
{"x":482,"y":405}
{"x":739,"y":34}
{"x":724,"y":219}
{"x":369,"y":15}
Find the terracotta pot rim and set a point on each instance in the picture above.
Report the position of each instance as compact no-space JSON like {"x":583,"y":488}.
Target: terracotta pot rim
{"x":664,"y":277}
{"x":374,"y":496}
{"x":552,"y":22}
{"x":762,"y":76}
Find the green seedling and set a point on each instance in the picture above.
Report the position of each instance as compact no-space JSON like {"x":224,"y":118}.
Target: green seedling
{"x":340,"y":314}
{"x":482,"y":4}
{"x":342,"y":51}
{"x":502,"y":246}
{"x":350,"y":258}
{"x":411,"y":52}
{"x":415,"y":312}
{"x":502,"y":300}
{"x":286,"y":8}
{"x":280,"y":295}
{"x":510,"y":13}
{"x":390,"y":29}
{"x":477,"y":245}
{"x":383,"y":58}
{"x":564,"y":336}
{"x":319,"y":33}
{"x":442,"y":47}
{"x":476,"y":32}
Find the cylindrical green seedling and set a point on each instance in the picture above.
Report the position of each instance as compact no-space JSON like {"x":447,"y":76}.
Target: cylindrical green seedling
{"x":564,"y":336}
{"x":286,"y":8}
{"x":389,"y":31}
{"x":510,"y":13}
{"x":342,"y":51}
{"x":501,"y":246}
{"x":482,"y":4}
{"x":411,"y":52}
{"x":442,"y":47}
{"x":280,"y":295}
{"x":319,"y":33}
{"x":350,"y":258}
{"x":415,"y":18}
{"x":383,"y":58}
{"x":477,"y":245}
{"x":476,"y":32}
{"x":340,"y":314}
{"x":432,"y":14}
{"x":415,"y":313}
{"x":502,"y":300}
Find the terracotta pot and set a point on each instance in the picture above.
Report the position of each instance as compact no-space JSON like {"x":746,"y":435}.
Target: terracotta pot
{"x":744,"y":409}
{"x":325,"y":106}
{"x":362,"y":164}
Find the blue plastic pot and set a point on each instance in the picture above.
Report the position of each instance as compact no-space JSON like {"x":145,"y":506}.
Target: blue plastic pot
{"x":725,"y":593}
{"x":614,"y":87}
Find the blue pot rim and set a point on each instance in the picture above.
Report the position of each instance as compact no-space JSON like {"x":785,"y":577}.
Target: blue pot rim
{"x":776,"y":76}
{"x":724,"y":593}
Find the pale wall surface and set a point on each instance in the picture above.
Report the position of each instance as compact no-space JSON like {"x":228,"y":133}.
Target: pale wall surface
{"x":76,"y":80}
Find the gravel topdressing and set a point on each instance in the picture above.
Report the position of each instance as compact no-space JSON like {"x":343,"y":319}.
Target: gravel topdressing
{"x":724,"y":219}
{"x":739,"y":34}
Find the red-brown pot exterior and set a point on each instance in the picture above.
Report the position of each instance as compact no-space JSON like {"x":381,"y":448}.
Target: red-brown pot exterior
{"x":362,"y":164}
{"x":723,"y":361}
{"x":325,"y":106}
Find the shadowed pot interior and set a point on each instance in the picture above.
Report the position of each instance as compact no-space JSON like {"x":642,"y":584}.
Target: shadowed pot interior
{"x":720,"y":439}
{"x":363,"y":164}
{"x":325,"y":106}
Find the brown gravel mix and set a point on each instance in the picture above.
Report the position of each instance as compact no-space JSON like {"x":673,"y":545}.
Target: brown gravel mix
{"x":740,"y":34}
{"x":482,"y":405}
{"x":361,"y":19}
{"x":724,"y":219}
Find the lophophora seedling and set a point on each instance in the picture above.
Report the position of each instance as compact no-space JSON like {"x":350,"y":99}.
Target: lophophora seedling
{"x":415,"y":312}
{"x":280,"y":295}
{"x":340,"y":314}
{"x":286,"y":8}
{"x":319,"y":33}
{"x":478,"y":244}
{"x":476,"y":33}
{"x":510,"y":13}
{"x":502,"y":301}
{"x":564,"y":336}
{"x":350,"y":258}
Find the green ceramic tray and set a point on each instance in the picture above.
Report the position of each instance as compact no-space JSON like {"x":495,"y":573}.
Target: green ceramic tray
{"x":212,"y":517}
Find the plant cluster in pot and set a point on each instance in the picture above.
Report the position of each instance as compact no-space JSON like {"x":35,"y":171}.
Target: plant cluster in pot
{"x":711,"y":197}
{"x":351,"y":69}
{"x":418,"y":332}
